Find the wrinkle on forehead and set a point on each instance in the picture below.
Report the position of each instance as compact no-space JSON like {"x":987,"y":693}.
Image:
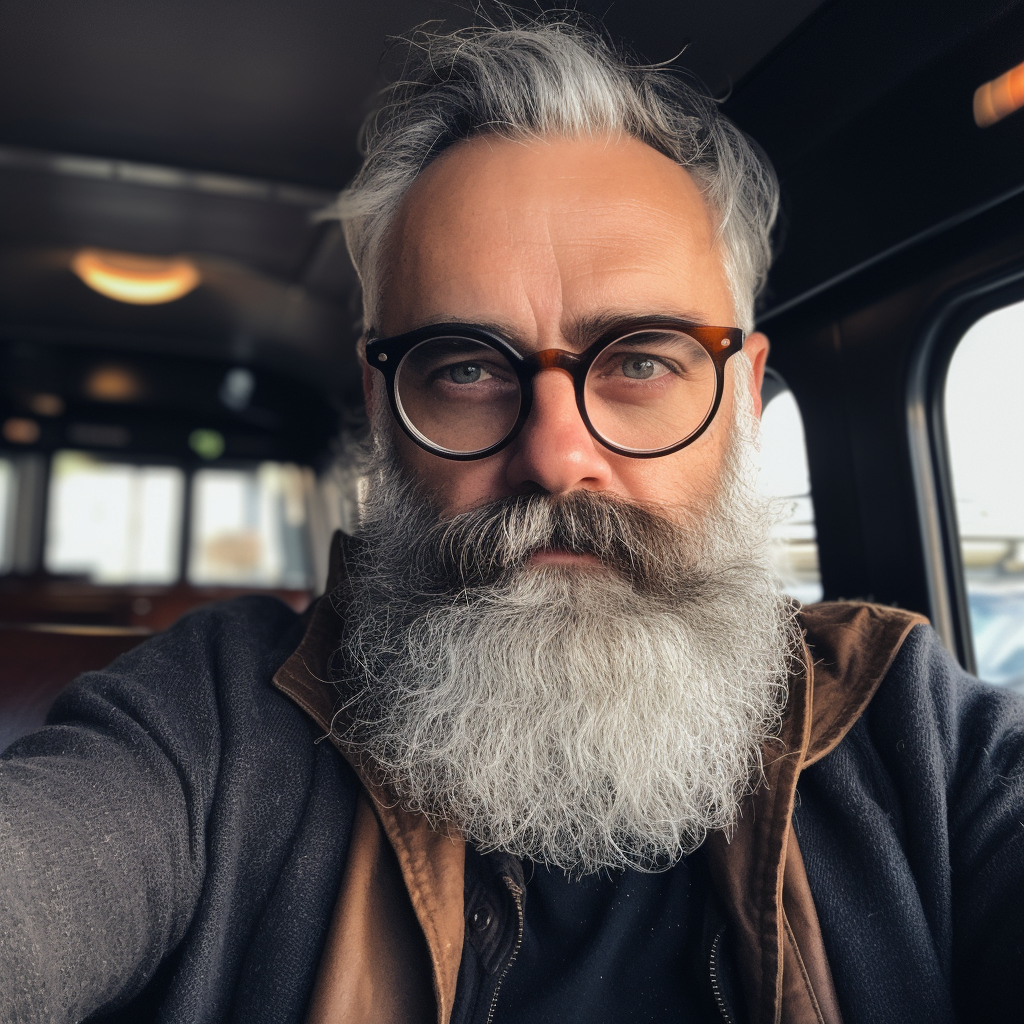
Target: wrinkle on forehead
{"x":540,"y":234}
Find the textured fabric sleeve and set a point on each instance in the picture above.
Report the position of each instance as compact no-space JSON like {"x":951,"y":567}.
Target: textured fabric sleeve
{"x":103,"y":814}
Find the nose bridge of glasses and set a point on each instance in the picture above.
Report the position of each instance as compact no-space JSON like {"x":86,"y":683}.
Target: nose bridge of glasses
{"x":552,"y":359}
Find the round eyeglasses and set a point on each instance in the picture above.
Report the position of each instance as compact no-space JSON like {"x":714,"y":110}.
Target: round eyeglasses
{"x":463,"y":392}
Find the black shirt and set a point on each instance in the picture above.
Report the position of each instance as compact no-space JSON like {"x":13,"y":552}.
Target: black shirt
{"x":618,"y":946}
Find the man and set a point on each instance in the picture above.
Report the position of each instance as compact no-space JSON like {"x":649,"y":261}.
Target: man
{"x":553,"y":747}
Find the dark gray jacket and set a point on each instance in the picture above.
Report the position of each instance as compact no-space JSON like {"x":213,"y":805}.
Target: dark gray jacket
{"x":172,"y":843}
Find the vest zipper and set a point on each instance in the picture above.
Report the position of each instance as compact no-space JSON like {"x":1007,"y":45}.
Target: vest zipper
{"x":716,"y":990}
{"x":517,"y":895}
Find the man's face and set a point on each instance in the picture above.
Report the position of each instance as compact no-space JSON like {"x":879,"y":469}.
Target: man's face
{"x":536,"y":239}
{"x":501,"y":683}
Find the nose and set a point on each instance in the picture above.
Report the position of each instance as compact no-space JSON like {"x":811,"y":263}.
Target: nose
{"x":554,"y":451}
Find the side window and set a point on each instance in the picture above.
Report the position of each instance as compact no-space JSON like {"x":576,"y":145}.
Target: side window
{"x":785,"y":477}
{"x":6,"y":514}
{"x":249,"y":526}
{"x":113,"y":522}
{"x":985,"y":423}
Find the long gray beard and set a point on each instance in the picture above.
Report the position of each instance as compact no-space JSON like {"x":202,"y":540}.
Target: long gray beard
{"x":584,"y":717}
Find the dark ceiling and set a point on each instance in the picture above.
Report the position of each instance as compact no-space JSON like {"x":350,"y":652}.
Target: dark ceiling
{"x":266,"y":89}
{"x":866,"y":113}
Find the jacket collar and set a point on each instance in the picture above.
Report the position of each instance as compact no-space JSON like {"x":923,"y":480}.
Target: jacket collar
{"x":846,"y":651}
{"x":432,"y":864}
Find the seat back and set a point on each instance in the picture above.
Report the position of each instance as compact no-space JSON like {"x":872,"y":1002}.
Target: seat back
{"x":38,"y":661}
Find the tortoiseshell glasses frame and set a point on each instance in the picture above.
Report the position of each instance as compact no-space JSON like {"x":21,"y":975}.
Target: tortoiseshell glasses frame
{"x":389,"y":354}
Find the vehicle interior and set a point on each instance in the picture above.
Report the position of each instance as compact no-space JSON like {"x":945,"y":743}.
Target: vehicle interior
{"x":179,"y":392}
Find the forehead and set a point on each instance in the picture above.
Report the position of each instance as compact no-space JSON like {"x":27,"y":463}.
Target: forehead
{"x":536,"y":234}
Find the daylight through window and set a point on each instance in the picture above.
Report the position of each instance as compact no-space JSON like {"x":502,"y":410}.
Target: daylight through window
{"x":785,"y":477}
{"x":249,"y":526}
{"x":985,"y":424}
{"x":113,"y":522}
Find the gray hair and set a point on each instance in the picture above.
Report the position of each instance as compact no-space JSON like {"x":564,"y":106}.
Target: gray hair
{"x":551,"y":77}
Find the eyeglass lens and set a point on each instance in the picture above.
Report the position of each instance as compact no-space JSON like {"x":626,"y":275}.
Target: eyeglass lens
{"x":650,"y":390}
{"x":458,"y":394}
{"x":646,"y":391}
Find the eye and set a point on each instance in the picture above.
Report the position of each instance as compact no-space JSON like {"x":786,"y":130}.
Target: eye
{"x":638,"y":367}
{"x":467,"y":373}
{"x":641,"y":366}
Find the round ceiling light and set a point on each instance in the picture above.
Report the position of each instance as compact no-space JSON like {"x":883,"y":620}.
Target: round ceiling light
{"x":141,"y":280}
{"x":113,"y":384}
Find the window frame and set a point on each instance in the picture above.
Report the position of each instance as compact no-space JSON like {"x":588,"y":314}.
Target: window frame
{"x":958,"y":311}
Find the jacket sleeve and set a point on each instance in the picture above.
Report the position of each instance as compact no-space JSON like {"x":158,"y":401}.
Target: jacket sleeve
{"x":102,"y":820}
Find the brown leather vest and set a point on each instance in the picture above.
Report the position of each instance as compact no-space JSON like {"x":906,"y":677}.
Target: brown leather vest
{"x":393,"y":951}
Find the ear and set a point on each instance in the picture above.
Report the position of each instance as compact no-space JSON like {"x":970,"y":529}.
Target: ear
{"x":756,"y":349}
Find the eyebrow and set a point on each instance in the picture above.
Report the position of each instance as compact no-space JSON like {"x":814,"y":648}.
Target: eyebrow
{"x":580,"y":332}
{"x":584,"y":330}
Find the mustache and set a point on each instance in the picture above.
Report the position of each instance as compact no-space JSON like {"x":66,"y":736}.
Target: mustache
{"x":488,"y":545}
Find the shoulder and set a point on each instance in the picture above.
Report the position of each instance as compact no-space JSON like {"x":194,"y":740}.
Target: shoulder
{"x":238,"y":637}
{"x":255,"y":627}
{"x":851,"y":647}
{"x":189,"y":683}
{"x":849,"y":637}
{"x":196,"y":707}
{"x":926,"y":692}
{"x":884,"y":674}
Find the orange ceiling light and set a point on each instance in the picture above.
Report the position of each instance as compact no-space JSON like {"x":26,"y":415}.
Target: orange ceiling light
{"x":20,"y":431}
{"x":1002,"y":96}
{"x":140,"y":280}
{"x":113,"y":384}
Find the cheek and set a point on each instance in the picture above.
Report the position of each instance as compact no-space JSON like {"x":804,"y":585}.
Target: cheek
{"x":455,"y":486}
{"x":687,"y":479}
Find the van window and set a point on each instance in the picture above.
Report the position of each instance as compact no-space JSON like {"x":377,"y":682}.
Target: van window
{"x":6,"y":514}
{"x":785,"y":476}
{"x":249,"y":526}
{"x":985,"y":423}
{"x":113,"y":522}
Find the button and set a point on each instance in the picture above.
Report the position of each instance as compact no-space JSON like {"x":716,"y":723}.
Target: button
{"x":481,"y":919}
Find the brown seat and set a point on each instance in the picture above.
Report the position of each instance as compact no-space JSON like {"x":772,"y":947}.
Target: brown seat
{"x":38,"y":661}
